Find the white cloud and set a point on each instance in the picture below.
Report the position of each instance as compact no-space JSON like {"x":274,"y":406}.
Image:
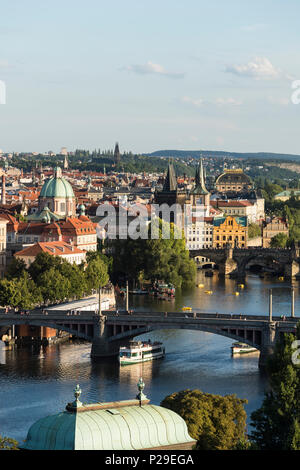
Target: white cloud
{"x":194,"y":102}
{"x":218,"y":101}
{"x":260,"y":68}
{"x":228,"y":101}
{"x":151,"y":68}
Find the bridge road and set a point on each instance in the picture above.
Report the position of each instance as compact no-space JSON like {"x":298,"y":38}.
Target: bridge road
{"x":111,"y":329}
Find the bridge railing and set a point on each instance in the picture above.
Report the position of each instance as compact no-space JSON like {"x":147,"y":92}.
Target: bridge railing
{"x":90,"y":314}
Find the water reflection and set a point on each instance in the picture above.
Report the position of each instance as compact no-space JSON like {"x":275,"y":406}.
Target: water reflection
{"x":2,"y":353}
{"x":35,"y":382}
{"x":252,"y":299}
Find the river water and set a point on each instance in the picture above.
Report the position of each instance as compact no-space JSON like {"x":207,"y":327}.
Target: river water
{"x":37,"y":382}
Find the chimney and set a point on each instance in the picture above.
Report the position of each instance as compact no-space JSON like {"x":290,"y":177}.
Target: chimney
{"x":3,"y":195}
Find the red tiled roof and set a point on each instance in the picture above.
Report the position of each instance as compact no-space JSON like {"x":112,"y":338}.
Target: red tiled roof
{"x":53,"y":248}
{"x":230,"y":203}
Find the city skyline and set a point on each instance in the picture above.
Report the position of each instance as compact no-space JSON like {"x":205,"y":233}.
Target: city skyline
{"x":160,"y":76}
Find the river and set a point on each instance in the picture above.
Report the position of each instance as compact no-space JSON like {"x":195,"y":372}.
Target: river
{"x":35,"y":382}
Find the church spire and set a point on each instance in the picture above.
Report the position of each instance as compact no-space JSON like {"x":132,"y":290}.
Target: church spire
{"x":200,"y":180}
{"x":171,"y":180}
{"x":117,"y":155}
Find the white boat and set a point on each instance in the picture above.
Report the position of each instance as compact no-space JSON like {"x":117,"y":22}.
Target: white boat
{"x":140,"y":351}
{"x":242,"y":348}
{"x":138,"y":292}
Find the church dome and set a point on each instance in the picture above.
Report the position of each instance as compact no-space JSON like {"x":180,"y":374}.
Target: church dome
{"x":57,"y":186}
{"x":234,"y":176}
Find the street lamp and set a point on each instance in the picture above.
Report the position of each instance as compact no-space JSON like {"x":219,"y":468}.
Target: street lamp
{"x":100,"y":306}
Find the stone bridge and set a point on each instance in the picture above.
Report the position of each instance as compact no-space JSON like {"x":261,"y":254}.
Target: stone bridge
{"x":107,"y":332}
{"x":233,"y":261}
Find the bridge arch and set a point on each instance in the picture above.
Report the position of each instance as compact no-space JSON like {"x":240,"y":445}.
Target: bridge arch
{"x":129,"y":334}
{"x":47,"y":324}
{"x":259,"y":260}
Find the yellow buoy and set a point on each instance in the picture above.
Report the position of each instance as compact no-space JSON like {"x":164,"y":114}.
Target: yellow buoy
{"x":241,"y":286}
{"x":200,"y":285}
{"x":208,"y":292}
{"x":236,"y":293}
{"x":281,"y":278}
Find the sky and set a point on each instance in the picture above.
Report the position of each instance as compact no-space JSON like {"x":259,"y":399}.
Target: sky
{"x":152,"y":75}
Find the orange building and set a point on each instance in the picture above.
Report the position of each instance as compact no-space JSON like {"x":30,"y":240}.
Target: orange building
{"x":230,"y":231}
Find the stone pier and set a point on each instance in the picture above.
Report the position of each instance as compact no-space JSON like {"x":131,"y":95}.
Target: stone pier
{"x":269,"y":338}
{"x":101,"y":346}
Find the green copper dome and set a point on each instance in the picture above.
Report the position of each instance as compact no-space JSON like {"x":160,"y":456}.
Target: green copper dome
{"x":57,"y":186}
{"x":125,"y":425}
{"x":124,"y":428}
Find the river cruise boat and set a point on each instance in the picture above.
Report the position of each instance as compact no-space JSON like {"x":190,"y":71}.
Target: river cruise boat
{"x":242,"y":348}
{"x":140,"y":351}
{"x":161,"y":288}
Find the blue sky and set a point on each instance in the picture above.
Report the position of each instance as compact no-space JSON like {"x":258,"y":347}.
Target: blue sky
{"x":153,"y":75}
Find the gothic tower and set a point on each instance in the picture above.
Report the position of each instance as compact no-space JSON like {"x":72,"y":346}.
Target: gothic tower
{"x":117,"y":155}
{"x":200,"y":195}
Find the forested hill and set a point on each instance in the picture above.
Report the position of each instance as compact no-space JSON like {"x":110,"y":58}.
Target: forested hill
{"x":222,"y":154}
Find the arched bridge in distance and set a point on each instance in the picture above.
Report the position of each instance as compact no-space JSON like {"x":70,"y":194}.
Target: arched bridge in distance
{"x":107,"y":332}
{"x":233,"y":261}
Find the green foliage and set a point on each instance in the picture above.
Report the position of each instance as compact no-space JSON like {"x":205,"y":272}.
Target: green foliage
{"x":6,"y":443}
{"x":42,"y":263}
{"x":54,"y":286}
{"x":84,"y":160}
{"x":15,"y":268}
{"x":277,"y":422}
{"x":151,"y":259}
{"x":216,"y":422}
{"x":50,"y":279}
{"x":19,"y":292}
{"x":96,"y":274}
{"x":108,"y":260}
{"x":279,"y":241}
{"x":27,"y":293}
{"x":8,"y":292}
{"x":254,"y":230}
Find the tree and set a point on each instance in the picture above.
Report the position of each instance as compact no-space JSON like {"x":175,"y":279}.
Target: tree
{"x":6,"y":443}
{"x":75,"y":275}
{"x":277,"y":422}
{"x":8,"y":292}
{"x":19,"y":292}
{"x":54,"y":286}
{"x":96,"y":274}
{"x":161,"y":258}
{"x":279,"y":241}
{"x":16,"y":268}
{"x":254,"y":231}
{"x":42,"y":263}
{"x":216,"y":422}
{"x":27,"y":293}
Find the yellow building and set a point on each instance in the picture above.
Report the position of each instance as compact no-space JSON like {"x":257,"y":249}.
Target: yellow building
{"x":230,"y":231}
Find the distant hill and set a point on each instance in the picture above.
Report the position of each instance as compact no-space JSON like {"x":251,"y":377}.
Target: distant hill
{"x":222,"y":154}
